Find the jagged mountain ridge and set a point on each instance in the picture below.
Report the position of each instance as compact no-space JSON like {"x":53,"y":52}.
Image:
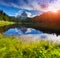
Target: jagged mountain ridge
{"x":23,"y":15}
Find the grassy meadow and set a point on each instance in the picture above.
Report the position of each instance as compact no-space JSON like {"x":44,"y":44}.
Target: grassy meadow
{"x":2,"y":23}
{"x":12,"y":47}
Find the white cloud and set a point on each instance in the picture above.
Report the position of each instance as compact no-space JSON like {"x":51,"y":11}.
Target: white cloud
{"x":29,"y":30}
{"x":31,"y":5}
{"x":38,"y":5}
{"x":54,"y":6}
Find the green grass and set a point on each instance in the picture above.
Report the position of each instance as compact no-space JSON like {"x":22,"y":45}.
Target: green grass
{"x":12,"y":47}
{"x":2,"y":23}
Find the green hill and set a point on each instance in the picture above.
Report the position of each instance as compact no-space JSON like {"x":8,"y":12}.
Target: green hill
{"x":3,"y":16}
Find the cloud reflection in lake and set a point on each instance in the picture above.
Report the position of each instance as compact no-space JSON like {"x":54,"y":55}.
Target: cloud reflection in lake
{"x":32,"y":34}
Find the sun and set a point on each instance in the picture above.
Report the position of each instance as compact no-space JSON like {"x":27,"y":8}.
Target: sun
{"x":54,"y":10}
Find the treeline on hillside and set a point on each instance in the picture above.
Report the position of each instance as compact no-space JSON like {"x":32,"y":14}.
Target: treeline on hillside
{"x":5,"y":17}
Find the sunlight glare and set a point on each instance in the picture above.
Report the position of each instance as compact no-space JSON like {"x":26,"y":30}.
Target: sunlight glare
{"x":54,"y":11}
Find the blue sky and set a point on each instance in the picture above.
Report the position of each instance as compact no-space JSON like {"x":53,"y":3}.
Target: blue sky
{"x":32,"y":7}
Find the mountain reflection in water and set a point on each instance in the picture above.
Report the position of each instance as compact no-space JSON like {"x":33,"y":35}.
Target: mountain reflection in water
{"x":28,"y":33}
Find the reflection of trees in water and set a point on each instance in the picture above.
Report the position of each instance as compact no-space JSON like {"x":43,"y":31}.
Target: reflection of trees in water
{"x":24,"y":27}
{"x":5,"y":28}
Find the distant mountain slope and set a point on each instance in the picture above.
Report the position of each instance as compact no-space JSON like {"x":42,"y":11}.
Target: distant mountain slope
{"x":48,"y":21}
{"x":48,"y":17}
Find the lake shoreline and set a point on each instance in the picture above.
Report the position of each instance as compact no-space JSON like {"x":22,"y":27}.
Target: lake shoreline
{"x":44,"y":30}
{"x":5,"y":23}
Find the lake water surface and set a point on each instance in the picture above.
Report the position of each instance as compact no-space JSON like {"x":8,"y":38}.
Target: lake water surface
{"x":25,"y":33}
